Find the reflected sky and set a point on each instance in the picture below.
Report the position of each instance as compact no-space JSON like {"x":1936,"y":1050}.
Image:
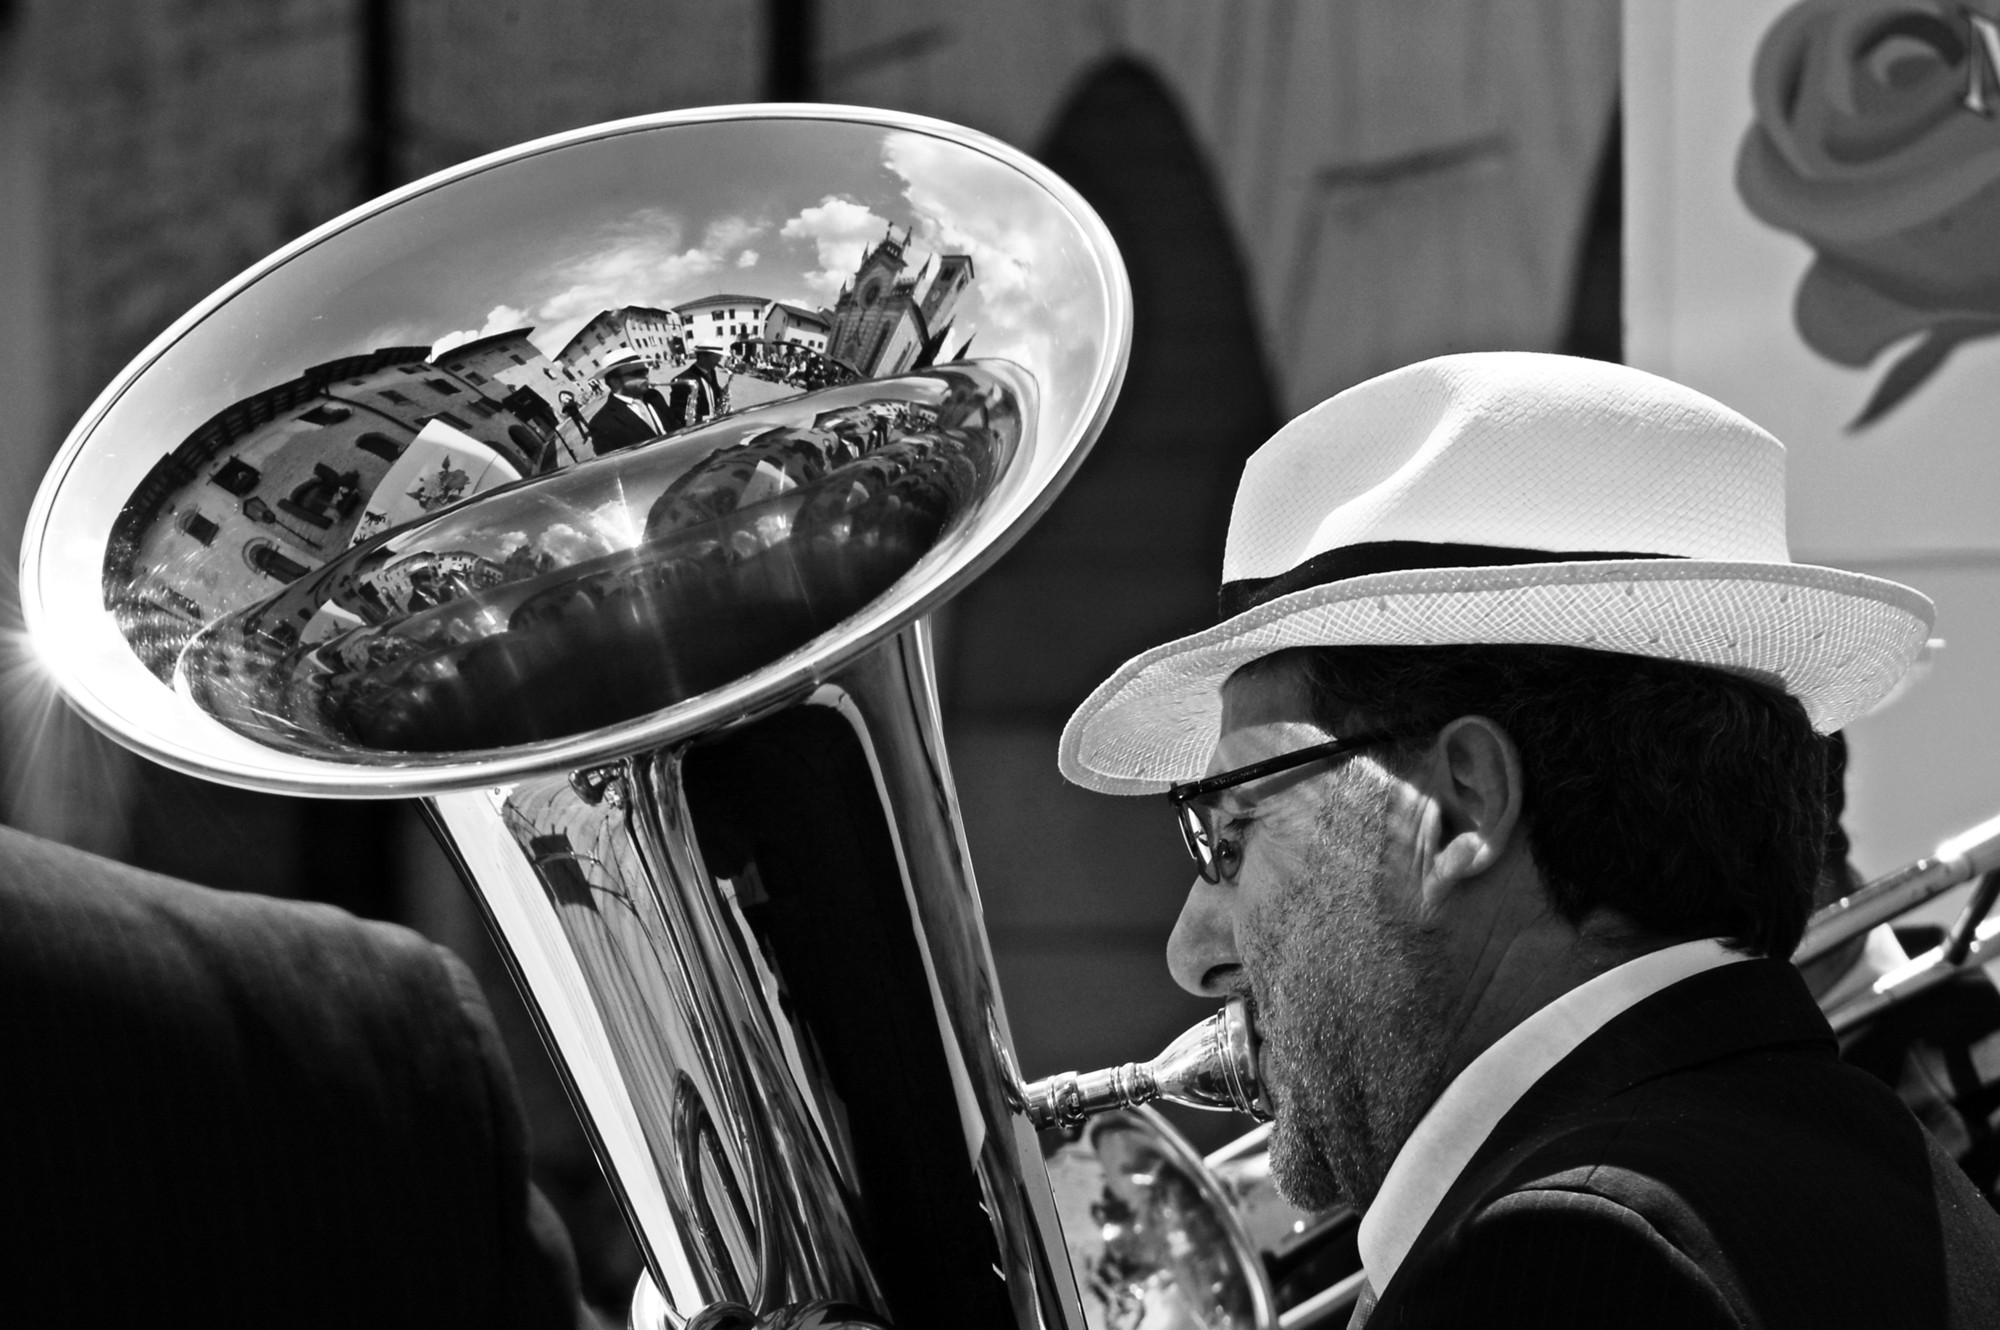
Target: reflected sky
{"x":352,"y":335}
{"x":777,"y":210}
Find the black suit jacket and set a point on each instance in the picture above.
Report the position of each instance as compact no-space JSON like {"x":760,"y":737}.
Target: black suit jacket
{"x":1706,"y":1159}
{"x":617,"y":425}
{"x":224,"y":1110}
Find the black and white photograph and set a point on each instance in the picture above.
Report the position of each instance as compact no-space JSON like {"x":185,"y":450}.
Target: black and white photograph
{"x":1020,"y":664}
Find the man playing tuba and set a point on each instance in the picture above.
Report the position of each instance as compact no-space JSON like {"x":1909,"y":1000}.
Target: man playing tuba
{"x":1504,"y":779}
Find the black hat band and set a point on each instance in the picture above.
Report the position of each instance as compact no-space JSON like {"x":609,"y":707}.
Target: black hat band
{"x":1396,"y":556}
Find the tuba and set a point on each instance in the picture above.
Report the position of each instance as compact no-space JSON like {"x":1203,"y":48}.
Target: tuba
{"x":430,"y":505}
{"x":450,"y":500}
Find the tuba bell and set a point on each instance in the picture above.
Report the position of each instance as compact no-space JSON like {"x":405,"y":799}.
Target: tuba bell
{"x":418,"y":507}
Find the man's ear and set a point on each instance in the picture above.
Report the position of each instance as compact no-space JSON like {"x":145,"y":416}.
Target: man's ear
{"x":1476,"y":788}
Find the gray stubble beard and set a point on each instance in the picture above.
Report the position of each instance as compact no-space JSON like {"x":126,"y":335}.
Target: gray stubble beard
{"x":1362,"y":1048}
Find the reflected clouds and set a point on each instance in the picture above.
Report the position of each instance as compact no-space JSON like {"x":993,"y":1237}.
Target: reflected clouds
{"x":840,"y":232}
{"x":560,"y":542}
{"x":1020,"y":308}
{"x":640,"y":259}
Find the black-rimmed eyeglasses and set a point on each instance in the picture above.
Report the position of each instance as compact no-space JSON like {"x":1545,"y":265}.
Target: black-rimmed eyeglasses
{"x":1217,"y":858}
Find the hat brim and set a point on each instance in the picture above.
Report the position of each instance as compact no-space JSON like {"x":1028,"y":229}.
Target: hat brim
{"x":1837,"y":641}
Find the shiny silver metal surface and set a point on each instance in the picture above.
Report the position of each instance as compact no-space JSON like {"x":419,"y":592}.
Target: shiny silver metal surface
{"x":1154,"y":1240}
{"x":394,"y":515}
{"x":1310,"y":1258}
{"x":777,"y":1004}
{"x":1973,"y":853}
{"x":365,"y":379}
{"x":1212,"y":1065}
{"x":500,"y":624}
{"x":1956,"y":860}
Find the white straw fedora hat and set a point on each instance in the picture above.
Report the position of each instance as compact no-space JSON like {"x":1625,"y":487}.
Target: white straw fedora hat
{"x":1508,"y":497}
{"x":621,"y":360}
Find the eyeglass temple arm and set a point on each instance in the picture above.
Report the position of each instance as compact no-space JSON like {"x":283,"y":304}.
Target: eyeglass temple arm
{"x":1195,"y":789}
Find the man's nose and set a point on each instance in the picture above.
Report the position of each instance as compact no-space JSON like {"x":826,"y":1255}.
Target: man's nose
{"x":1201,"y":953}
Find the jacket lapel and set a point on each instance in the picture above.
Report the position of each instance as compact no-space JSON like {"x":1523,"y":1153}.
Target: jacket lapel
{"x":1715,"y":1014}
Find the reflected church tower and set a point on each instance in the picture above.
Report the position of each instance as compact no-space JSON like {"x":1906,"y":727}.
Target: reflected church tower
{"x":888,"y":320}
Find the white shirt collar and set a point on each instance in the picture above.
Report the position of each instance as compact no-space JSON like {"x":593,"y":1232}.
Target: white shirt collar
{"x":1478,"y":1097}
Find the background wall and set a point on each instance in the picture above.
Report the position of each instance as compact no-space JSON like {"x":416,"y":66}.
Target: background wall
{"x":1307,"y":194}
{"x":1909,"y":496}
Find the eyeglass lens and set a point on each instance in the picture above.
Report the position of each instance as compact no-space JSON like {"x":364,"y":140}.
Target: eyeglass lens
{"x":1200,"y":841}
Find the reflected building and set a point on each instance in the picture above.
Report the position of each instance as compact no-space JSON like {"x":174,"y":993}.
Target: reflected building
{"x":282,"y":479}
{"x":527,"y":383}
{"x":792,"y":348}
{"x":889,"y":320}
{"x":723,"y":319}
{"x":659,"y":336}
{"x":795,"y":325}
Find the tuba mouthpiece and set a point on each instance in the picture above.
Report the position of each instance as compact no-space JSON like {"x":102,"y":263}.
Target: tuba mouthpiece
{"x":1213,"y":1066}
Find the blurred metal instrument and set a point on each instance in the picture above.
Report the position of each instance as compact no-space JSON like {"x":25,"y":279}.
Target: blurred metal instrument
{"x":1973,"y":853}
{"x":672,"y":709}
{"x":1150,"y":1227}
{"x":1956,"y":860}
{"x":1154,"y":1239}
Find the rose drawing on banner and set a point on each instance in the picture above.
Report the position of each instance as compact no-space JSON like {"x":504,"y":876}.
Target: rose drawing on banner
{"x":1877,"y":141}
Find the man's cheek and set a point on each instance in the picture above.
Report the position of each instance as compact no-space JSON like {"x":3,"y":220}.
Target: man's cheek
{"x":1261,"y":948}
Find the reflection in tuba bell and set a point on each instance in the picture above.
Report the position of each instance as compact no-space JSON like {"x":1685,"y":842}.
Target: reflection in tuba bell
{"x":670,"y":704}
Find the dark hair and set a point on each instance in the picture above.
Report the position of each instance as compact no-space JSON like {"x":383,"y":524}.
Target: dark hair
{"x":1691,"y":800}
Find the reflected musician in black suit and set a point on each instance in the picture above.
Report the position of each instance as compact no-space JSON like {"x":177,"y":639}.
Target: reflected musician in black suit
{"x":633,"y":412}
{"x":697,"y":392}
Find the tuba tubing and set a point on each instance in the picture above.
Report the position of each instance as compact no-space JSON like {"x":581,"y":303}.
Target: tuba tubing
{"x":741,"y":1140}
{"x":671,"y":705}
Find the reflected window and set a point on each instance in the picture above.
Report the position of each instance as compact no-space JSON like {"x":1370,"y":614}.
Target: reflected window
{"x":201,"y":527}
{"x":237,"y":476}
{"x":381,"y":445}
{"x":443,"y":386}
{"x":395,"y":397}
{"x":325,"y":414}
